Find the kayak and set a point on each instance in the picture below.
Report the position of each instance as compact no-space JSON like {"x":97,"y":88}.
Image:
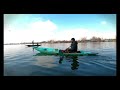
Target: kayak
{"x":32,"y":45}
{"x":46,"y":50}
{"x":52,"y":51}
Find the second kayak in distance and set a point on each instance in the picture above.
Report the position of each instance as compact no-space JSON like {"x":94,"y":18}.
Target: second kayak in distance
{"x":32,"y":45}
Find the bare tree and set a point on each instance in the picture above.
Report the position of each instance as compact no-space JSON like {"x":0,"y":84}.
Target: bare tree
{"x":83,"y":39}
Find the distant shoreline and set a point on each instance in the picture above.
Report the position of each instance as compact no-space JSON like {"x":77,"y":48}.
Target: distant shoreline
{"x":53,"y":42}
{"x":83,"y":40}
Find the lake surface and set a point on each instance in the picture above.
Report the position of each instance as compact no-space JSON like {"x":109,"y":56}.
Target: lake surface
{"x":20,"y":60}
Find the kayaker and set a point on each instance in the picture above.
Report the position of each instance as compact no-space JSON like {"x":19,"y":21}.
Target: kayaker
{"x":33,"y":42}
{"x":37,"y":44}
{"x":73,"y":47}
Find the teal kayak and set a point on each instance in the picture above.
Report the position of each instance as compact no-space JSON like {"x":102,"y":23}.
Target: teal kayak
{"x":46,"y":50}
{"x":52,"y":51}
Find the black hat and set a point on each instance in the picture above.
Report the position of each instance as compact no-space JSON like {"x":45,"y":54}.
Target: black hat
{"x":73,"y":39}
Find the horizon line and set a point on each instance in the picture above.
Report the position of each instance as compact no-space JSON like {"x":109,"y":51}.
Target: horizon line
{"x":58,"y":40}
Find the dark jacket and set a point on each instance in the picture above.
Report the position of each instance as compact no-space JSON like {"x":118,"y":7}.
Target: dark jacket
{"x":74,"y":46}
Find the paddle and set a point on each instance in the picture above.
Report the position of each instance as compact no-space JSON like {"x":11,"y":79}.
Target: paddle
{"x":61,"y":55}
{"x":61,"y":59}
{"x":33,"y":49}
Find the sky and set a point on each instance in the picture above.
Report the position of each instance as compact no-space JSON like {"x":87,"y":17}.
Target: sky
{"x":42,"y":27}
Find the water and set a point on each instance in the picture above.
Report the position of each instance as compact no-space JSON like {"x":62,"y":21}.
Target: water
{"x":19,"y":60}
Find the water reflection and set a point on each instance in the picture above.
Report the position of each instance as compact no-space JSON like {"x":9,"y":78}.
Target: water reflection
{"x":82,"y":45}
{"x":95,"y":45}
{"x":74,"y":64}
{"x":43,"y":61}
{"x":74,"y":59}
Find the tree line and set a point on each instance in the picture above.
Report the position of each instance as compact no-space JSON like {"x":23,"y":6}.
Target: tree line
{"x":84,"y":39}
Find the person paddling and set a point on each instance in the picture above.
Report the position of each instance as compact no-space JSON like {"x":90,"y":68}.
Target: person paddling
{"x":33,"y":42}
{"x":73,"y":47}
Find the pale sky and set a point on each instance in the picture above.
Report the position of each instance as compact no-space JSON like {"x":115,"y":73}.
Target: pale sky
{"x":41,"y":27}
